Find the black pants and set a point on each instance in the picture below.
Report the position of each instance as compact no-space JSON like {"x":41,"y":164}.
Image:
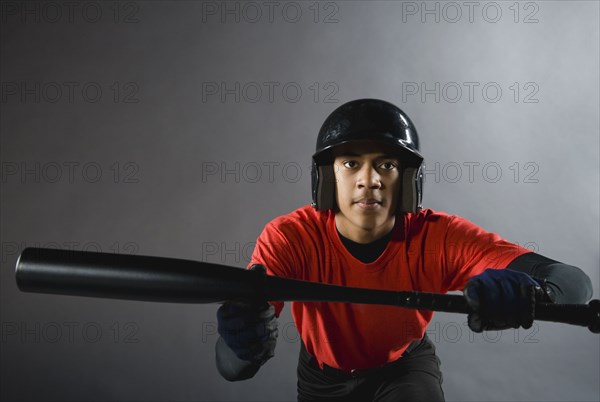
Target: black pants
{"x":416,"y":376}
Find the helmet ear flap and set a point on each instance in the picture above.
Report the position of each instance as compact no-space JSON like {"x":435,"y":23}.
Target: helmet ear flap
{"x":419,"y":183}
{"x":323,"y":178}
{"x":411,"y":190}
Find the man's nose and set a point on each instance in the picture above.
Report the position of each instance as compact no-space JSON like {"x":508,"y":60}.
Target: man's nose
{"x":368,"y":177}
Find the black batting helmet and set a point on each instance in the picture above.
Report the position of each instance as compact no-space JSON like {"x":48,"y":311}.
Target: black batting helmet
{"x":375,"y":120}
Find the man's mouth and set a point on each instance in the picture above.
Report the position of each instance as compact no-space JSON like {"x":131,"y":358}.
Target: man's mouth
{"x":368,"y":203}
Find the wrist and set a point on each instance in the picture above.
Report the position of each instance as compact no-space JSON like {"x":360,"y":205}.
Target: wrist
{"x":544,"y":292}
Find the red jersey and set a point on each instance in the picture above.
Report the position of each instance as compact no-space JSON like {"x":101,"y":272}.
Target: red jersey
{"x":429,"y":251}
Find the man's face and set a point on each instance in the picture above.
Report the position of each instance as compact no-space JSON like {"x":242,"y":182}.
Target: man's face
{"x":367,"y":186}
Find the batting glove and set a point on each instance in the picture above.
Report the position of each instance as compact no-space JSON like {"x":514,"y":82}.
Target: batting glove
{"x":501,"y":299}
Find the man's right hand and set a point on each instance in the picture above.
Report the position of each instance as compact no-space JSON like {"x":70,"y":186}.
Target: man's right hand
{"x":249,"y":329}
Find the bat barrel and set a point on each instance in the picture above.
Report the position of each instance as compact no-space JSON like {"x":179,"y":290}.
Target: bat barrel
{"x":144,"y":278}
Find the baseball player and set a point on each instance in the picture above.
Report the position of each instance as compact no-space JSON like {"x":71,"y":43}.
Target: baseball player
{"x":366,"y":228}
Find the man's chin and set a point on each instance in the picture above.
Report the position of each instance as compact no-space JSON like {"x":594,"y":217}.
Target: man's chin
{"x":370,"y":217}
{"x":369,"y":220}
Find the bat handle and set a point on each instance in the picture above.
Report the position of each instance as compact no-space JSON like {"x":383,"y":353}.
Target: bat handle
{"x":586,"y":315}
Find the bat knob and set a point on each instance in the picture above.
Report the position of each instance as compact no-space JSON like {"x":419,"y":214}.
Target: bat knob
{"x":261,"y":269}
{"x":595,"y":318}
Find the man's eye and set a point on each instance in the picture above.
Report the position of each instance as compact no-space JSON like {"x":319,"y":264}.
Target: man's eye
{"x":388,"y":165}
{"x":349,"y":164}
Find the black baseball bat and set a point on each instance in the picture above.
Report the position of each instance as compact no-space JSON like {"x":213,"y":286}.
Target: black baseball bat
{"x":159,"y":279}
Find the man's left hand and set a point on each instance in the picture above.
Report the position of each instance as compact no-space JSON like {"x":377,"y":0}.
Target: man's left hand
{"x":501,"y":299}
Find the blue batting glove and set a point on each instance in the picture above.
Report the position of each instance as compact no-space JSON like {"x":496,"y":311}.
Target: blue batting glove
{"x":249,"y":329}
{"x":501,"y":299}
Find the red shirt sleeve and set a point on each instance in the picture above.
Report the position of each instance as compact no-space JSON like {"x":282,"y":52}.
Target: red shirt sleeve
{"x":469,"y":250}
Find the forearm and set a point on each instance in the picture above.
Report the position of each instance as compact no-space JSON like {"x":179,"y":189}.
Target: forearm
{"x":568,"y":284}
{"x":231,"y":367}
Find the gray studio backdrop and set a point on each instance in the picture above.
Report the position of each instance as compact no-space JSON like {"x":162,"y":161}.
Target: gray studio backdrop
{"x":180,"y":129}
